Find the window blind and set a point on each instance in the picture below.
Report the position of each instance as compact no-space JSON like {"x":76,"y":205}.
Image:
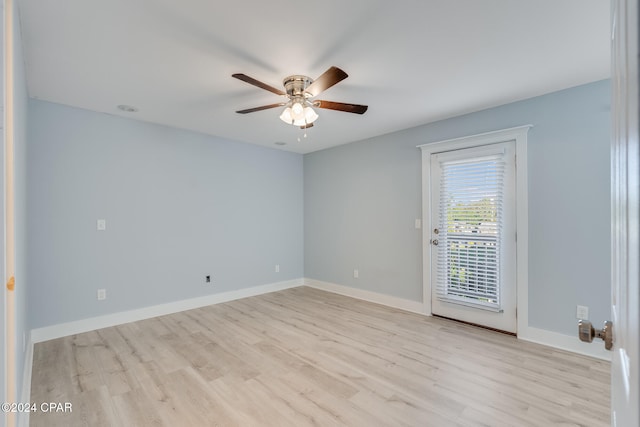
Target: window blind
{"x":471,"y":211}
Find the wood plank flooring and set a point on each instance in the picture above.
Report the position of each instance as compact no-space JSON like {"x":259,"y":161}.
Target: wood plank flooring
{"x":304,"y":357}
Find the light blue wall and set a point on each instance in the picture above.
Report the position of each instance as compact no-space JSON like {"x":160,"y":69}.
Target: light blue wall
{"x":178,"y":205}
{"x":361,"y":201}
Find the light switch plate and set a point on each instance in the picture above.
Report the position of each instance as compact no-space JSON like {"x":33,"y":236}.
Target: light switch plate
{"x":582,"y":312}
{"x":418,"y":223}
{"x":101,"y":224}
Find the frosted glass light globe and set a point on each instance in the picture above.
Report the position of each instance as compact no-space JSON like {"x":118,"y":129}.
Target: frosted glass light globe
{"x":286,"y":116}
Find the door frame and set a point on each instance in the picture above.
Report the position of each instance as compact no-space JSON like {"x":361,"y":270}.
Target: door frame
{"x":519,"y":135}
{"x":10,"y":379}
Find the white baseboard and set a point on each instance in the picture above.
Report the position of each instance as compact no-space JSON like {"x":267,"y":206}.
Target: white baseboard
{"x":565,"y":342}
{"x":91,"y":324}
{"x":390,"y":301}
{"x":23,"y":417}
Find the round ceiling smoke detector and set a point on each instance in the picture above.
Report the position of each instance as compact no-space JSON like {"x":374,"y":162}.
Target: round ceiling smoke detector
{"x":127,"y":108}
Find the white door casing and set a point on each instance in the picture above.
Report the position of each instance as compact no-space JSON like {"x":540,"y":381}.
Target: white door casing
{"x":9,"y":212}
{"x":519,"y":136}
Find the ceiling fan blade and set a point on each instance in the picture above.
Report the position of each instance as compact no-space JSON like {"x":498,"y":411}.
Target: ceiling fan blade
{"x":340,"y":106}
{"x":257,"y":83}
{"x":264,"y":107}
{"x":330,"y":77}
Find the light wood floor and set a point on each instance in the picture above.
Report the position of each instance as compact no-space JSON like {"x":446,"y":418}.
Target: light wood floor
{"x":304,"y":357}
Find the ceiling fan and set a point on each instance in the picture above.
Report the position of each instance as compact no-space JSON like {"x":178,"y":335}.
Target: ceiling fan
{"x":299,"y":91}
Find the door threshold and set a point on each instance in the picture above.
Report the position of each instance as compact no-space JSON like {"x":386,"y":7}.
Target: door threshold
{"x":513,"y":334}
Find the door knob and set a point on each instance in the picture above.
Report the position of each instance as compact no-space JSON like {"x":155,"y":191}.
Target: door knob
{"x":587,"y":333}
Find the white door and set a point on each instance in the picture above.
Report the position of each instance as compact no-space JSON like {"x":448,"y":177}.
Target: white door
{"x":473,"y":236}
{"x":625,"y":183}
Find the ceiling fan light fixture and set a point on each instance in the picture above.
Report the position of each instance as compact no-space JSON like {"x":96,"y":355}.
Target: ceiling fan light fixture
{"x":297,"y":111}
{"x":310,"y":115}
{"x":298,"y":114}
{"x":286,"y":116}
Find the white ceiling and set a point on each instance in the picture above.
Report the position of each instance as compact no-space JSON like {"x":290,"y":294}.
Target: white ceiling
{"x":411,"y":61}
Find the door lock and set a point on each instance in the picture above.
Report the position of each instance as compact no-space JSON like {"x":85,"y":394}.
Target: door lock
{"x":587,"y":333}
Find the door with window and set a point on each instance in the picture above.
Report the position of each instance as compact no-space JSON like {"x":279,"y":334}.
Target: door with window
{"x":473,"y":235}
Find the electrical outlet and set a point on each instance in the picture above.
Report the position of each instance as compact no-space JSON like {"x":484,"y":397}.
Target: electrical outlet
{"x":207,"y":279}
{"x":102,"y":294}
{"x":356,"y":273}
{"x":101,"y":224}
{"x":277,"y":268}
{"x":582,"y":312}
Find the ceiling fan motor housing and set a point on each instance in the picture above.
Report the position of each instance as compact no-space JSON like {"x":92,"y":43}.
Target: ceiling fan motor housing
{"x":296,"y":85}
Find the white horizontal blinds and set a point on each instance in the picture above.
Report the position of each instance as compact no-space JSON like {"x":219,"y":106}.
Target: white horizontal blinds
{"x":471,"y":212}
